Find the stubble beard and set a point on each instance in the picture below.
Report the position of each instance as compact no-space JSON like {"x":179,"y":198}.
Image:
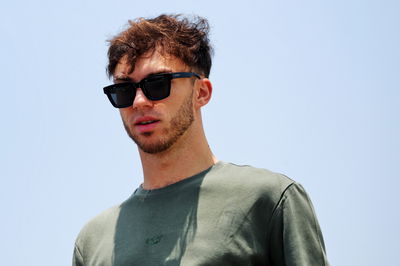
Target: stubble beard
{"x":178,"y":126}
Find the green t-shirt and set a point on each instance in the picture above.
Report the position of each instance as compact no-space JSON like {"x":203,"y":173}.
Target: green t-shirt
{"x":225,"y":215}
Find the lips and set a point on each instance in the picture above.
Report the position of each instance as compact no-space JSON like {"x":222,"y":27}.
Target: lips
{"x":146,"y":123}
{"x":145,"y":120}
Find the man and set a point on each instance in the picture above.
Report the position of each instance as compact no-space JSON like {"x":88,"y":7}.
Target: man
{"x":191,"y":209}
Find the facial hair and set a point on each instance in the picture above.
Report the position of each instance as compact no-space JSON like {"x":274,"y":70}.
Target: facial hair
{"x":179,"y":124}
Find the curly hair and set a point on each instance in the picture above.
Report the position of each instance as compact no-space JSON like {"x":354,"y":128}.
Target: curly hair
{"x":174,"y":35}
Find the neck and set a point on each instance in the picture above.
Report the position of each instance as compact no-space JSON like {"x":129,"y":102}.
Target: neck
{"x":187,"y":157}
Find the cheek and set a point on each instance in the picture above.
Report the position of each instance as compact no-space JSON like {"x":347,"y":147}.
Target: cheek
{"x":170,"y":109}
{"x":124,"y":113}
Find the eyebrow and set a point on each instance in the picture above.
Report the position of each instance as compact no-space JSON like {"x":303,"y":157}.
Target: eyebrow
{"x":125,"y":78}
{"x":122,"y":79}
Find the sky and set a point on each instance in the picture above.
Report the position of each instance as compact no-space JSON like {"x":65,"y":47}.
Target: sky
{"x":306,"y":88}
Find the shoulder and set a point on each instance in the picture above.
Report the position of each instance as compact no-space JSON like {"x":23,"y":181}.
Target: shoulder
{"x":252,"y":177}
{"x":98,"y":227}
{"x":248,"y":182}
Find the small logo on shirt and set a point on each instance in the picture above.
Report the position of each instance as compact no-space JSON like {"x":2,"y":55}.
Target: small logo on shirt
{"x":154,"y":240}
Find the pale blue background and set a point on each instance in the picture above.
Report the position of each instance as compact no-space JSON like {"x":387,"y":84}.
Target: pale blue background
{"x":306,"y":88}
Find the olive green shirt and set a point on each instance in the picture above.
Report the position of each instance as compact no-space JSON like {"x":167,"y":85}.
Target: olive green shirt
{"x":225,"y":215}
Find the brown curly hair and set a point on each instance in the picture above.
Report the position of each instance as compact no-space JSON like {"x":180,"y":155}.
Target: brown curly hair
{"x":176,"y":35}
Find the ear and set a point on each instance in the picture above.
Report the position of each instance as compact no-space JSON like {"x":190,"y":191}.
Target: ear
{"x":203,"y":92}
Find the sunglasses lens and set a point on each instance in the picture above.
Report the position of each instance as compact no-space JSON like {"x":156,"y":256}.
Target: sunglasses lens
{"x":121,"y":95}
{"x":157,"y":88}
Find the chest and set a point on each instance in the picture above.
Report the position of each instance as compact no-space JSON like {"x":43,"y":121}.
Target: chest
{"x":201,"y":233}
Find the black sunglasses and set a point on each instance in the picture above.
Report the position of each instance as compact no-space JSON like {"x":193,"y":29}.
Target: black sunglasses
{"x":155,"y":87}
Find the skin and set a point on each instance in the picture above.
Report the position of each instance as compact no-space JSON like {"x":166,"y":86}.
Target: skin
{"x":175,"y":147}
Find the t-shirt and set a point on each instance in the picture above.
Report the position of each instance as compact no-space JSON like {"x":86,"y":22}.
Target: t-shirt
{"x":225,"y":215}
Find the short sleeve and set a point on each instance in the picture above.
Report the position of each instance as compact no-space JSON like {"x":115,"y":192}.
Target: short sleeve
{"x":295,"y":235}
{"x":77,"y":259}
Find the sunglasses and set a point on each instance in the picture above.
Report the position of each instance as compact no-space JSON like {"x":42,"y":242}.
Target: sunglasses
{"x":155,"y":87}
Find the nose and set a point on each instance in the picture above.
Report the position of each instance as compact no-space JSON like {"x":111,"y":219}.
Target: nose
{"x":141,"y":100}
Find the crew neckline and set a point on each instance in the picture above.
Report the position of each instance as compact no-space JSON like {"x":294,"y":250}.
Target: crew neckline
{"x":140,"y":191}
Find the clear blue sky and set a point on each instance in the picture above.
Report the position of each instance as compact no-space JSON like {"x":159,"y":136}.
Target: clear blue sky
{"x":306,"y":88}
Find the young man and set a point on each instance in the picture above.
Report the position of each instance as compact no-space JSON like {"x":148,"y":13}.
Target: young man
{"x":191,"y":208}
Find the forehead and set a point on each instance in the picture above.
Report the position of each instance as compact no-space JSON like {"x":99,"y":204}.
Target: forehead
{"x":149,"y":63}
